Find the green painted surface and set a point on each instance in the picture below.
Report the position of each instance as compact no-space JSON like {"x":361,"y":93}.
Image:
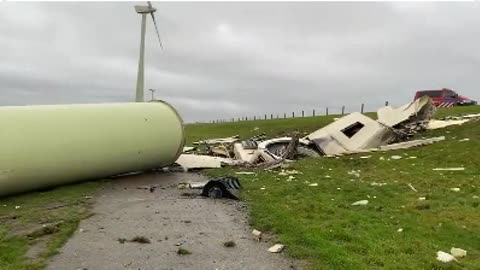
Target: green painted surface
{"x":43,"y":146}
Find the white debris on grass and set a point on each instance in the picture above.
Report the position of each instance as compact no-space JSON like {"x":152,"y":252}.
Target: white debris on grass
{"x":328,"y":176}
{"x":354,"y":173}
{"x":458,"y":252}
{"x":262,"y":188}
{"x":276,"y":248}
{"x":288,"y":172}
{"x":422,"y":198}
{"x":339,"y":189}
{"x":245,"y":173}
{"x":412,"y":157}
{"x":412,"y":187}
{"x":313,"y":185}
{"x":400,"y":230}
{"x":291,"y":177}
{"x":455,"y":189}
{"x":464,"y":140}
{"x":365,"y":157}
{"x":475,"y":197}
{"x":449,"y":169}
{"x":361,"y":202}
{"x":381,"y":158}
{"x":375,"y":184}
{"x":445,"y":257}
{"x":396,"y":157}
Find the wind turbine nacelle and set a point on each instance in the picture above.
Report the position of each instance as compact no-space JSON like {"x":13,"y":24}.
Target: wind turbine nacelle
{"x":144,"y":9}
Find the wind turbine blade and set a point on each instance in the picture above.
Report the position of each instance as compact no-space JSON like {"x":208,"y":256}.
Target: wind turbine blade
{"x":156,"y":29}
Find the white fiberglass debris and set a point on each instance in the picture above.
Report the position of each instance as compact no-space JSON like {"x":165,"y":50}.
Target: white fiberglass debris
{"x":354,"y":173}
{"x":313,"y":184}
{"x":475,"y":197}
{"x":435,"y":124}
{"x":396,"y":157}
{"x":400,"y":230}
{"x":245,"y":173}
{"x":256,"y":232}
{"x":456,"y":189}
{"x":422,"y":198}
{"x":412,"y":157}
{"x":365,"y":157}
{"x":412,"y":187}
{"x":362,"y":202}
{"x":262,"y":188}
{"x":445,"y":257}
{"x":276,"y":248}
{"x":381,"y":158}
{"x":327,"y":176}
{"x":449,"y":169}
{"x":375,"y":184}
{"x":458,"y":252}
{"x":17,"y":207}
{"x":290,"y":178}
{"x":464,"y":140}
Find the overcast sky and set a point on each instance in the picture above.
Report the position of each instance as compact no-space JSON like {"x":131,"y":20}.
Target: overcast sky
{"x":224,"y":60}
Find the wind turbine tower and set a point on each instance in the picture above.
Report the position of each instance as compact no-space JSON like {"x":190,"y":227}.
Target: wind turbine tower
{"x":144,"y":10}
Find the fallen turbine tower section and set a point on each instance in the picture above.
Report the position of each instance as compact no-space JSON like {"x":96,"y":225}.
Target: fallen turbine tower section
{"x":50,"y":145}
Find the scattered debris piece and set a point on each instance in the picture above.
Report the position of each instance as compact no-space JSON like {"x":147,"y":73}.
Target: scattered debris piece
{"x":362,"y":202}
{"x":455,"y":189}
{"x":365,"y":157}
{"x":256,"y":232}
{"x":445,"y":257}
{"x":229,"y":244}
{"x":192,"y":161}
{"x":245,"y":173}
{"x":458,"y":252}
{"x":222,"y":187}
{"x":121,"y":240}
{"x":140,"y":239}
{"x":182,"y":251}
{"x":354,"y":173}
{"x":464,"y":140}
{"x":449,"y":169}
{"x":313,"y":185}
{"x":400,"y":230}
{"x":412,"y":187}
{"x":396,"y":157}
{"x":187,"y":149}
{"x":277,"y":248}
{"x":422,"y":198}
{"x":436,"y":124}
{"x":17,"y":207}
{"x":375,"y":184}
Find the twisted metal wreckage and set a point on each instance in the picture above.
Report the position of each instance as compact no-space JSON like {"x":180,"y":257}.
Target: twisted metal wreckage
{"x":354,"y":133}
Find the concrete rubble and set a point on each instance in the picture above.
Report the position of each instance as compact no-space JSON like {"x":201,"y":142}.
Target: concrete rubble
{"x":353,"y":133}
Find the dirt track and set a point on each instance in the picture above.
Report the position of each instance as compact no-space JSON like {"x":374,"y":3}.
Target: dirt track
{"x":170,"y":220}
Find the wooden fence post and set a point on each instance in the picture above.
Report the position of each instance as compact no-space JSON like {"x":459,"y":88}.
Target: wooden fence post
{"x":293,"y":114}
{"x":326,"y":111}
{"x":386,"y":103}
{"x":313,"y":112}
{"x":362,"y":108}
{"x":343,"y":109}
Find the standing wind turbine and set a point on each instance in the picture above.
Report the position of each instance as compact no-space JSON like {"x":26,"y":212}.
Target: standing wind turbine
{"x":144,"y":10}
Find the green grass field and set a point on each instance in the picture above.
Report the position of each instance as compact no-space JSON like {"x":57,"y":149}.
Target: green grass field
{"x":317,"y":224}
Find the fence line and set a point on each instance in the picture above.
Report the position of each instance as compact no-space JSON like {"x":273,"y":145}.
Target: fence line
{"x":265,"y":116}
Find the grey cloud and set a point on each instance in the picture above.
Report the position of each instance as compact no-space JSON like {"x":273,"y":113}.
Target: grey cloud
{"x":225,"y":60}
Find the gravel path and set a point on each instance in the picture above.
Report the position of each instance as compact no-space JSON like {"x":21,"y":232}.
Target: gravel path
{"x":170,"y":220}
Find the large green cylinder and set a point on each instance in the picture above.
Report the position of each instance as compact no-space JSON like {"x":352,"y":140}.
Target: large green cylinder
{"x":44,"y":146}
